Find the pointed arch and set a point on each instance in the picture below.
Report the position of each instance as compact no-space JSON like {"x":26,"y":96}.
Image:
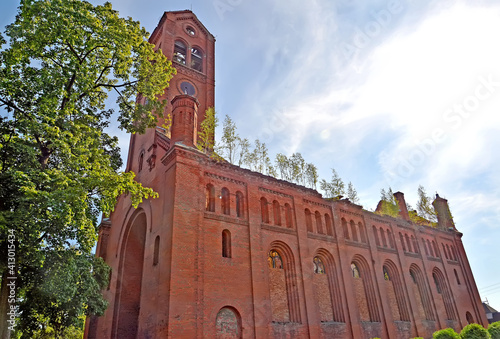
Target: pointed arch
{"x":401,"y":238}
{"x":425,"y":247}
{"x":365,"y":291}
{"x":444,"y":250}
{"x":331,"y":274}
{"x":470,"y":319}
{"x":421,"y":292}
{"x":408,"y":242}
{"x":395,"y":291}
{"x":284,"y":308}
{"x":435,"y":248}
{"x":443,"y":289}
{"x":129,"y":285}
{"x":415,"y":244}
{"x":431,"y":249}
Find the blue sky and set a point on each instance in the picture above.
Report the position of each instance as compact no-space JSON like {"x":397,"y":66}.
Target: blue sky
{"x":389,"y":93}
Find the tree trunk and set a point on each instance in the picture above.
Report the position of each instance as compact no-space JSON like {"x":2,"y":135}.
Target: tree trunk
{"x":4,"y":308}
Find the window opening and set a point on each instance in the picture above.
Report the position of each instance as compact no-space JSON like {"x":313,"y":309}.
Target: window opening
{"x":226,"y":244}
{"x":180,"y":52}
{"x":156,"y":255}
{"x":196,"y":59}
{"x":210,"y":198}
{"x":386,"y":273}
{"x":355,"y":271}
{"x":274,"y":260}
{"x":225,"y":205}
{"x":239,"y":204}
{"x":319,"y":268}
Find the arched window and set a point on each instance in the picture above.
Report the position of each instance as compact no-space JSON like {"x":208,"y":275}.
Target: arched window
{"x":197,"y":59}
{"x":141,"y":160}
{"x":454,"y":253}
{"x":431,"y":249}
{"x":180,"y":52}
{"x":274,"y":260}
{"x":263,"y":210}
{"x":408,"y":243}
{"x":355,"y":271}
{"x":345,"y":229}
{"x":442,"y":288}
{"x":354,"y":232}
{"x":277,"y":213}
{"x":449,"y":252}
{"x":156,"y":253}
{"x":396,"y":292}
{"x":362,"y":233}
{"x":364,"y":290}
{"x":469,"y":318}
{"x":390,"y":238}
{"x":382,"y":236}
{"x":309,"y":225}
{"x":425,"y":247}
{"x":402,"y":241}
{"x":319,"y":268}
{"x":225,"y":201}
{"x":421,"y":292}
{"x":226,"y":244}
{"x":319,"y":223}
{"x":288,"y":215}
{"x":283,"y":289}
{"x":239,"y":205}
{"x":436,"y":251}
{"x":210,"y":198}
{"x":444,"y":250}
{"x":328,"y":224}
{"x":375,"y":233}
{"x":456,"y":276}
{"x":415,"y":244}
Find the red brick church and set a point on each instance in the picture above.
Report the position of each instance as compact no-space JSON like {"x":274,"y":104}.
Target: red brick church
{"x":225,"y":252}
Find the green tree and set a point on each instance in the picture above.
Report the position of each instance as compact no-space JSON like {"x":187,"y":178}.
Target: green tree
{"x":424,"y":206}
{"x":447,"y":333}
{"x":474,"y":331}
{"x":388,"y":204}
{"x":352,"y":194}
{"x":230,"y":140}
{"x":206,"y":136}
{"x":59,"y":169}
{"x":311,"y":175}
{"x":333,"y":188}
{"x":494,"y":330}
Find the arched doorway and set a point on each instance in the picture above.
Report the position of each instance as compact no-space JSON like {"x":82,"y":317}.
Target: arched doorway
{"x":128,"y":303}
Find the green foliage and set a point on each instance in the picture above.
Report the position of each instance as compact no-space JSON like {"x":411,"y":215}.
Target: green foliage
{"x":334,"y":188}
{"x":230,"y":140}
{"x":417,"y":338}
{"x":388,"y":204}
{"x":424,"y":206}
{"x":447,"y":333}
{"x":352,"y":194}
{"x":474,"y":331}
{"x":59,"y":169}
{"x":206,"y":136}
{"x":494,"y":330}
{"x":295,"y":169}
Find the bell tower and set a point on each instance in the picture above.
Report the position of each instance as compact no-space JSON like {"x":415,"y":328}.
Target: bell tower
{"x":184,"y":40}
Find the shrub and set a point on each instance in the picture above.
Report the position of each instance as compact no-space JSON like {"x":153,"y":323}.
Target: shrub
{"x":447,"y":333}
{"x":417,"y":338}
{"x":494,"y":330}
{"x":474,"y":331}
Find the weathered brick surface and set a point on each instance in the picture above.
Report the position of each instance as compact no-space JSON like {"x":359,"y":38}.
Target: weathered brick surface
{"x":193,"y":291}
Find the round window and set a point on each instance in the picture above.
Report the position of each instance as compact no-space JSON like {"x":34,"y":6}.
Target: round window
{"x":190,"y":30}
{"x":187,"y":88}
